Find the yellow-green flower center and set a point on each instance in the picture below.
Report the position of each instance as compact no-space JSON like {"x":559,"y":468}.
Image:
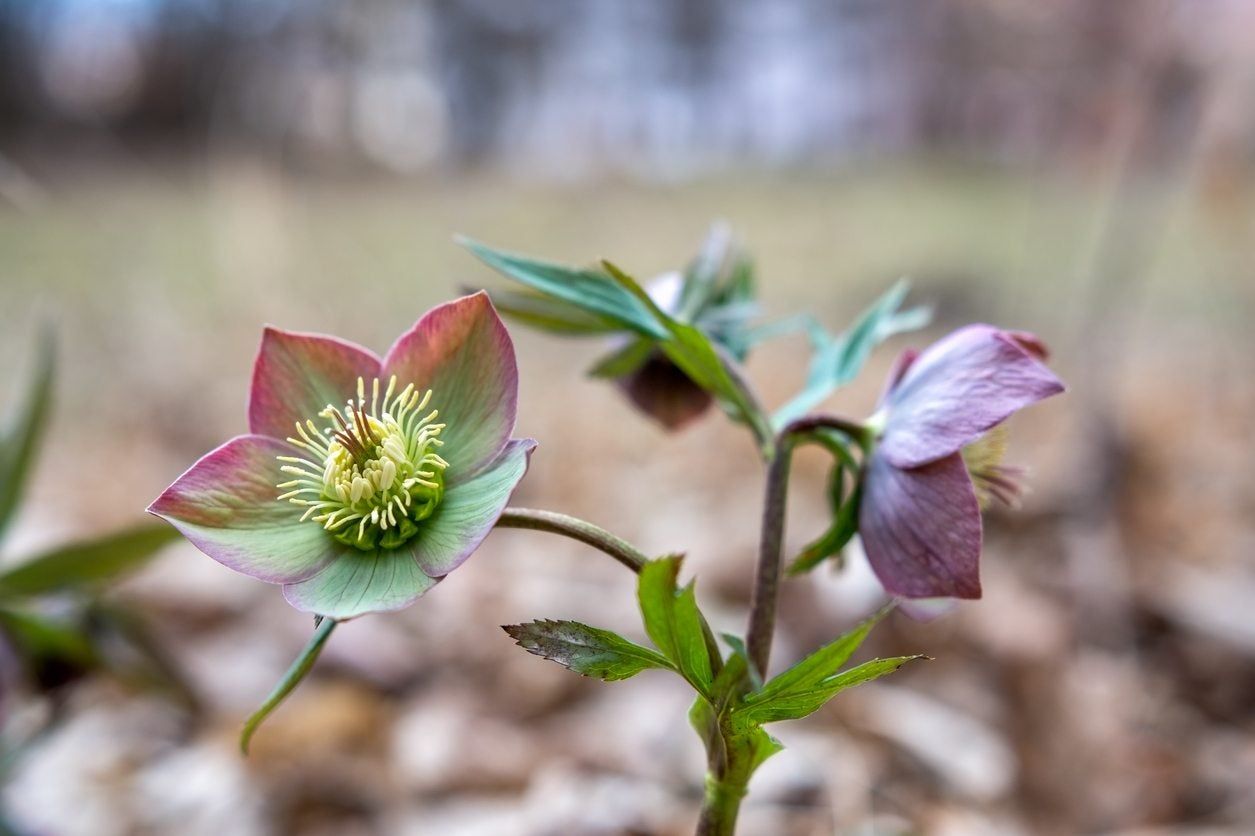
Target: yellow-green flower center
{"x":371,"y":474}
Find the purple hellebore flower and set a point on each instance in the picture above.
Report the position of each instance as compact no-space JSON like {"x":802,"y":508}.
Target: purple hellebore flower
{"x":346,"y":490}
{"x":920,"y":518}
{"x":657,"y":387}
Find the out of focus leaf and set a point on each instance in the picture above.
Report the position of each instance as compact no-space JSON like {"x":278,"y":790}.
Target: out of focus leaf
{"x":838,"y":360}
{"x":695,"y":355}
{"x":300,"y":667}
{"x":673,"y":622}
{"x":48,"y":647}
{"x":550,"y":314}
{"x":86,"y":563}
{"x":624,"y":361}
{"x":586,"y":650}
{"x":127,"y":648}
{"x":589,"y":290}
{"x":703,"y":274}
{"x":20,"y":437}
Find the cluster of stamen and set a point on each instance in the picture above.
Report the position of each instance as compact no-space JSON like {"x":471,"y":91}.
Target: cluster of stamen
{"x":992,"y":479}
{"x":372,"y":474}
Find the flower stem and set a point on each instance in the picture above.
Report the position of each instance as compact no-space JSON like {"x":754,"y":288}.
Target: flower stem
{"x":762,"y":621}
{"x":577,"y":529}
{"x":766,"y":594}
{"x":719,"y":810}
{"x":300,"y":667}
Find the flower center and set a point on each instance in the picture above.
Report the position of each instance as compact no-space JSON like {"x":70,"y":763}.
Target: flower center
{"x":371,"y":474}
{"x":992,"y":479}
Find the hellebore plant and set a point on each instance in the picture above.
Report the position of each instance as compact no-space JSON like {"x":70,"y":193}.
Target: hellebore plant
{"x":365,"y":481}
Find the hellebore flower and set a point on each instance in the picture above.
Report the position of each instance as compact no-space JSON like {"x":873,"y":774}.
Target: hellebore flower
{"x":363,"y":481}
{"x":920,"y":516}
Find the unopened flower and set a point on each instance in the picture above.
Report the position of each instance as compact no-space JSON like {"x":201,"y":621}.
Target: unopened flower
{"x":363,"y":481}
{"x":920,"y":516}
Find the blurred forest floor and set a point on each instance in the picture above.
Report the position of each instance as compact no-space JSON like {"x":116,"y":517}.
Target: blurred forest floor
{"x":1106,"y":683}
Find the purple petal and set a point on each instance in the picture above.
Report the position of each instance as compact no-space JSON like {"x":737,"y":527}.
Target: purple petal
{"x":297,"y":375}
{"x":921,"y":528}
{"x":663,"y":392}
{"x":462,"y":352}
{"x":469,"y":511}
{"x":958,"y":389}
{"x":225,"y":505}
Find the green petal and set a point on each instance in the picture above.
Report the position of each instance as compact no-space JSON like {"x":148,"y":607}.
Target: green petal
{"x":225,"y":504}
{"x":361,"y":582}
{"x":469,"y":511}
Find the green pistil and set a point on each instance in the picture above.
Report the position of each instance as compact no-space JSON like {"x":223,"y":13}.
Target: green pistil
{"x":372,"y":474}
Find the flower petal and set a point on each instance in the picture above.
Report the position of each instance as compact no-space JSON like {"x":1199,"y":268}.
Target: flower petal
{"x":297,"y":375}
{"x":225,"y":504}
{"x":359,"y":582}
{"x":462,"y":352}
{"x":663,"y":392}
{"x":958,"y":389}
{"x":921,"y":528}
{"x":469,"y":511}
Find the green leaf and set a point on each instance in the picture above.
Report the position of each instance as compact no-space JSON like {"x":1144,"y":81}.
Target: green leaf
{"x":821,"y":664}
{"x":702,"y":277}
{"x":795,"y":704}
{"x":586,"y":650}
{"x":301,"y":666}
{"x":673,"y":622}
{"x":624,"y":361}
{"x":86,"y":563}
{"x":838,"y":360}
{"x":816,"y":679}
{"x":40,"y":640}
{"x":844,"y":527}
{"x":696,"y":356}
{"x":549,"y":314}
{"x":19,"y":438}
{"x":588,"y":290}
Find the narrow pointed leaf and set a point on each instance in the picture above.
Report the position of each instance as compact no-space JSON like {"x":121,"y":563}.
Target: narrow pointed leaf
{"x":297,"y":672}
{"x":673,"y":622}
{"x":837,"y":361}
{"x":87,"y":563}
{"x":815,"y":668}
{"x":589,"y":651}
{"x":549,"y":314}
{"x":799,"y":702}
{"x":624,"y":361}
{"x":19,"y":439}
{"x":832,"y":541}
{"x":589,"y":290}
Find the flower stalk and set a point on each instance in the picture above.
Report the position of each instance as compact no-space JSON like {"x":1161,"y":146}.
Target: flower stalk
{"x":300,"y":668}
{"x":577,"y":529}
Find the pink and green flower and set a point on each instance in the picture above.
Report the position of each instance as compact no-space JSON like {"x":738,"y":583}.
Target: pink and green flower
{"x":363,"y":481}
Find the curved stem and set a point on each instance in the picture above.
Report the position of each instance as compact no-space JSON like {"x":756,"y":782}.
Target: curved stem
{"x":300,"y":667}
{"x":577,"y":529}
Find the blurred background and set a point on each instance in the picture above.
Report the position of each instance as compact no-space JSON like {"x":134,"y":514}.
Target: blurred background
{"x":175,"y":173}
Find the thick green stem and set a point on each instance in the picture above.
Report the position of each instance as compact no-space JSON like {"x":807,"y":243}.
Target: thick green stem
{"x":720,"y":808}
